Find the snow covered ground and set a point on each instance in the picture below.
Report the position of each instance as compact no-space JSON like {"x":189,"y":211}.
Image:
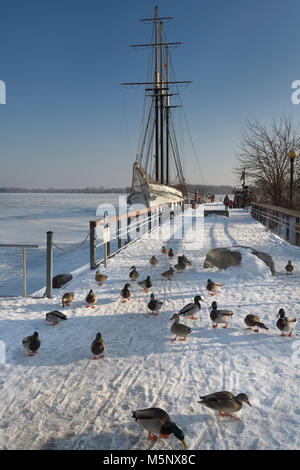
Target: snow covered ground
{"x":62,"y":399}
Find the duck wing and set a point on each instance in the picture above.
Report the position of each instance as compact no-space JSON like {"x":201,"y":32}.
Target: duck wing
{"x":217,"y":400}
{"x":151,"y":413}
{"x":56,"y":314}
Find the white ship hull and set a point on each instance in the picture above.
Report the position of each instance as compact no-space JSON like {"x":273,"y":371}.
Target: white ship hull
{"x":151,"y":193}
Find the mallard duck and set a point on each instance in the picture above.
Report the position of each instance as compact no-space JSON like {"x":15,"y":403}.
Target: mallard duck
{"x":98,"y":347}
{"x":31,"y":343}
{"x":67,"y":299}
{"x":91,"y":299}
{"x":253,"y":321}
{"x":125,"y":293}
{"x":169,"y":274}
{"x":171,"y":253}
{"x":133,"y":274}
{"x":164,"y":250}
{"x":185,"y":260}
{"x":191,"y":309}
{"x":219,"y":316}
{"x":146,"y":283}
{"x":213,"y":287}
{"x":180,"y":266}
{"x":157,"y":421}
{"x":100,"y":278}
{"x":285,"y":324}
{"x":225,"y":402}
{"x":55,"y":317}
{"x":153,"y":261}
{"x":178,"y":329}
{"x":154,"y":305}
{"x":289,"y":268}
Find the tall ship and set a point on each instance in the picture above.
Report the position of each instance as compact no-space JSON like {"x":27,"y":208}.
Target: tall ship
{"x":157,"y":171}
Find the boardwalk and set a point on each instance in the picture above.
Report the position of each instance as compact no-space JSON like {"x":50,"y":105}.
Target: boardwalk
{"x":61,"y":399}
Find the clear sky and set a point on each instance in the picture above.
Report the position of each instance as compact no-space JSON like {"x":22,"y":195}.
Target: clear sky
{"x":68,"y":122}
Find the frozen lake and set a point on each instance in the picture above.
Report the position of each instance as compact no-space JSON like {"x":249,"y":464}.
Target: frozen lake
{"x":26,"y":218}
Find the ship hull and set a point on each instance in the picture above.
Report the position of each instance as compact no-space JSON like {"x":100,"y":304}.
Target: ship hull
{"x":155,"y":194}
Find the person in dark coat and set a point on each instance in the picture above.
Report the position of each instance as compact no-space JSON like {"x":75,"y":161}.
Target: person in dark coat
{"x":226,"y":202}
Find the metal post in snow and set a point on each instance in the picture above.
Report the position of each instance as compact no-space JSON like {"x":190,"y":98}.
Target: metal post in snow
{"x":49,"y":265}
{"x":106,"y":247}
{"x":118,"y":234}
{"x":92,"y":244}
{"x":149,"y":220}
{"x":128,"y":224}
{"x":24,"y":270}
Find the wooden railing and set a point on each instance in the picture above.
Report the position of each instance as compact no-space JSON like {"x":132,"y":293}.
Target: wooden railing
{"x":125,"y":229}
{"x":283,"y":222}
{"x":138,"y":222}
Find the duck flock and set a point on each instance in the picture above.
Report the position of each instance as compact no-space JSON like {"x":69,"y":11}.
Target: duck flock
{"x":156,"y":421}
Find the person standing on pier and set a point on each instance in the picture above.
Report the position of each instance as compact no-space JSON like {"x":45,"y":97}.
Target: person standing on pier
{"x":226,"y":203}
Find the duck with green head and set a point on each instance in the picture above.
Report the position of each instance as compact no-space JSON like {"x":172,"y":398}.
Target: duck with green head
{"x":98,"y":347}
{"x":285,"y":324}
{"x":190,"y":310}
{"x":155,"y":305}
{"x":219,"y":316}
{"x":157,"y":421}
{"x":31,"y":343}
{"x":125,"y":293}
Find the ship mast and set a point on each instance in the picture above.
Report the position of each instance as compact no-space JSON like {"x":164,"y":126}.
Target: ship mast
{"x":167,"y":115}
{"x":161,"y":99}
{"x":156,"y":98}
{"x":161,"y":108}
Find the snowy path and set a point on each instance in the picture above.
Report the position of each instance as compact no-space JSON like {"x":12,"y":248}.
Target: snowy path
{"x":61,"y":399}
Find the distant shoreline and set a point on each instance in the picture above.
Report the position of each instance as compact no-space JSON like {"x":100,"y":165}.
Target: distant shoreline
{"x":67,"y":191}
{"x":214,"y":189}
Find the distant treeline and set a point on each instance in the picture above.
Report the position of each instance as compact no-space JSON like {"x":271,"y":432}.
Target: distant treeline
{"x":214,"y":189}
{"x":71,"y":190}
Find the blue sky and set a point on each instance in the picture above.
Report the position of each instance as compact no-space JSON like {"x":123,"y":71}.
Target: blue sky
{"x":68,"y":122}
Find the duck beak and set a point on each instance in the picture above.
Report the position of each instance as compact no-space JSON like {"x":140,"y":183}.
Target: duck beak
{"x":248,"y":403}
{"x":184,"y":443}
{"x":278,"y":315}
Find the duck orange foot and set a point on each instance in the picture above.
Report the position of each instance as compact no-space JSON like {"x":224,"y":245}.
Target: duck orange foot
{"x":228,"y":414}
{"x":152,"y":436}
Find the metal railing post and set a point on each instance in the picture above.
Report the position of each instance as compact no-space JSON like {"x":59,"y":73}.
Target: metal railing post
{"x":107,"y":243}
{"x":49,"y":265}
{"x":128,"y":224}
{"x":92,"y":244}
{"x":118,"y":234}
{"x":149,"y":220}
{"x":24,"y":270}
{"x":105,"y":255}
